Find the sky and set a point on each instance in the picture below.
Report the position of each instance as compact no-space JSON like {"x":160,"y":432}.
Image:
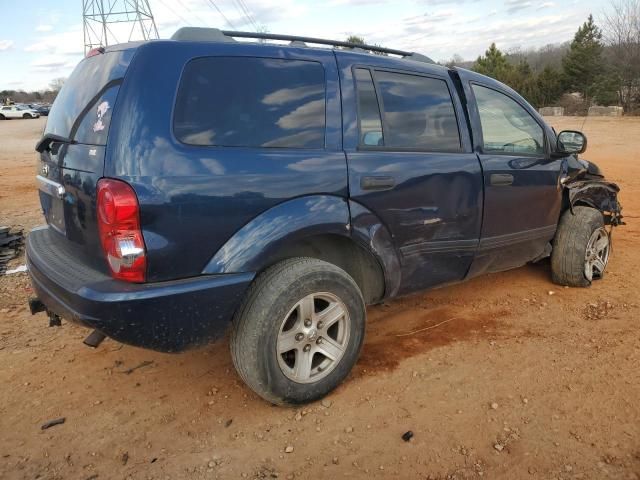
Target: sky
{"x":43,"y":39}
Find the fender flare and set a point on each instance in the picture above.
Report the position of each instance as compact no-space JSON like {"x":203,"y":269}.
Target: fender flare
{"x":250,"y":248}
{"x":253,"y":247}
{"x":369,"y":232}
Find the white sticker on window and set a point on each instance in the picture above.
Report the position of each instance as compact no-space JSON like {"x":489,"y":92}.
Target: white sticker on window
{"x":100,"y":112}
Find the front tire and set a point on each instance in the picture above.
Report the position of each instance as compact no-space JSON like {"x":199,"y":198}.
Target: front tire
{"x":26,"y":115}
{"x":299,"y":331}
{"x":581,"y":248}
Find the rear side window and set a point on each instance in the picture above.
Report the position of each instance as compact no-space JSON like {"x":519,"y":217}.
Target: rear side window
{"x":251,"y":102}
{"x":82,"y":110}
{"x":418,"y":112}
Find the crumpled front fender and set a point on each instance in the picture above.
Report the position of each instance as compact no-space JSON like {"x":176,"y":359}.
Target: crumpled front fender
{"x":585,"y":185}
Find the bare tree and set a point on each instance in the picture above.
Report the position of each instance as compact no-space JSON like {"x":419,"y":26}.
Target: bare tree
{"x":621,"y":28}
{"x":57,"y":83}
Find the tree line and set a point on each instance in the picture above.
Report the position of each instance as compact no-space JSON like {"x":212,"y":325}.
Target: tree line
{"x":597,"y":67}
{"x":600,"y":66}
{"x":41,"y":96}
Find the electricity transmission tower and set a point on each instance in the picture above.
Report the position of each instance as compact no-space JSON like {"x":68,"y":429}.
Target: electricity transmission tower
{"x":107,"y":22}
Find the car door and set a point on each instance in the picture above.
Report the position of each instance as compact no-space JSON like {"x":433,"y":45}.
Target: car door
{"x":411,"y":164}
{"x":522,"y":190}
{"x":9,"y":112}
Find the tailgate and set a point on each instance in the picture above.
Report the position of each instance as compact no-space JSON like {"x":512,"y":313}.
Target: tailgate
{"x":75,"y":138}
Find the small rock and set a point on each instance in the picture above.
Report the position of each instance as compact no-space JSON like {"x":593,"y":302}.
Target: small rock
{"x":289,"y":449}
{"x":407,"y":436}
{"x":326,"y":403}
{"x":498,"y":447}
{"x":298,"y":417}
{"x":551,"y":292}
{"x":348,"y":429}
{"x":335,"y":460}
{"x":211,"y":464}
{"x":494,"y":406}
{"x":525,"y":400}
{"x":568,"y":468}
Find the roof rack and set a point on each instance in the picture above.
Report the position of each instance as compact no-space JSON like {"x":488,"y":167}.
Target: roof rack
{"x":217,"y":35}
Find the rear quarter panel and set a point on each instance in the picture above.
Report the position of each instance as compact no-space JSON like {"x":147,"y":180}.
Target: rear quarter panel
{"x":194,"y":198}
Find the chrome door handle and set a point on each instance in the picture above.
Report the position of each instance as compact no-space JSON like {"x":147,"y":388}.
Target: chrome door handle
{"x":501,"y":179}
{"x":380,"y":182}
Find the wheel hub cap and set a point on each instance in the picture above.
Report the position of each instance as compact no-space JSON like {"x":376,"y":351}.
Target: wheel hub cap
{"x":313,"y":337}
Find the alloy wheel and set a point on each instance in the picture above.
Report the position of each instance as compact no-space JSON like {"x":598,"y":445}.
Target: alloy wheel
{"x":313,"y":337}
{"x":597,"y":254}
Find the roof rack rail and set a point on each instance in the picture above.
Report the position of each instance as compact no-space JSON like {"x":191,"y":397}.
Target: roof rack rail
{"x":216,"y":35}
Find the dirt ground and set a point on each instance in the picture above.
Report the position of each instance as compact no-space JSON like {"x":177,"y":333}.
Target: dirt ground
{"x":518,"y":379}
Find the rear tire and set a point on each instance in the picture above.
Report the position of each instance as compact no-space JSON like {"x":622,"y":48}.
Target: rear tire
{"x":581,"y":248}
{"x":2,"y":117}
{"x":299,"y":331}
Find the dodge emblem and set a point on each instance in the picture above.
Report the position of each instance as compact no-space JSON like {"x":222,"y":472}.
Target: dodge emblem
{"x":45,"y":170}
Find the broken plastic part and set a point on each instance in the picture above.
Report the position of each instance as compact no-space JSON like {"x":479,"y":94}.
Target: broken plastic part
{"x":585,"y":185}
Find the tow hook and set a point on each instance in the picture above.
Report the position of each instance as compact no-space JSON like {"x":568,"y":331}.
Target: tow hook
{"x":54,"y":320}
{"x":94,"y":339}
{"x":36,"y":306}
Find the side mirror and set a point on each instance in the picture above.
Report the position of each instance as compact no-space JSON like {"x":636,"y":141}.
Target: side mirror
{"x":570,"y":141}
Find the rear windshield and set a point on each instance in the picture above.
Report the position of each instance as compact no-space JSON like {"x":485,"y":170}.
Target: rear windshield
{"x":83,"y":107}
{"x":251,"y":102}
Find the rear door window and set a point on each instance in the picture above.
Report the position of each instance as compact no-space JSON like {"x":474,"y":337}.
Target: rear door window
{"x":251,"y":102}
{"x":368,"y":110}
{"x":418,"y":112}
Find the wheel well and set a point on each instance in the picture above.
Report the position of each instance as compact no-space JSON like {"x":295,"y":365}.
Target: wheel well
{"x":361,"y":265}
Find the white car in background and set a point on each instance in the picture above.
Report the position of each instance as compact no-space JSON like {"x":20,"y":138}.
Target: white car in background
{"x":17,"y":111}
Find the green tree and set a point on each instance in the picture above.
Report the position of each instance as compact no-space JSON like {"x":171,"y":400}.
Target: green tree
{"x":606,"y":89}
{"x":550,"y":86}
{"x":493,"y":64}
{"x":583,"y":62}
{"x":355,"y":39}
{"x":360,"y":41}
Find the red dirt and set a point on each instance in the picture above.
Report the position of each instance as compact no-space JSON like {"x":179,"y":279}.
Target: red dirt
{"x":562,"y":371}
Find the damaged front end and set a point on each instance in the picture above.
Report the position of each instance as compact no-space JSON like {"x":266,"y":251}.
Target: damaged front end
{"x":584,"y":184}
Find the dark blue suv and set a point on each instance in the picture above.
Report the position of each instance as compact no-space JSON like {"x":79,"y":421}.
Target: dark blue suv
{"x":202,"y":182}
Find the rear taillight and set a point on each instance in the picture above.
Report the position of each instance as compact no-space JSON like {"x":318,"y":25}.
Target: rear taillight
{"x":120,"y":233}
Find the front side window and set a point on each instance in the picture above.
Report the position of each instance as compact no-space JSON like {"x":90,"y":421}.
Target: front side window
{"x":418,"y":113}
{"x":251,"y":102}
{"x":506,"y":126}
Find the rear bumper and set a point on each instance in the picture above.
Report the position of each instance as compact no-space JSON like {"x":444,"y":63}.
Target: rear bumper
{"x":164,"y":316}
